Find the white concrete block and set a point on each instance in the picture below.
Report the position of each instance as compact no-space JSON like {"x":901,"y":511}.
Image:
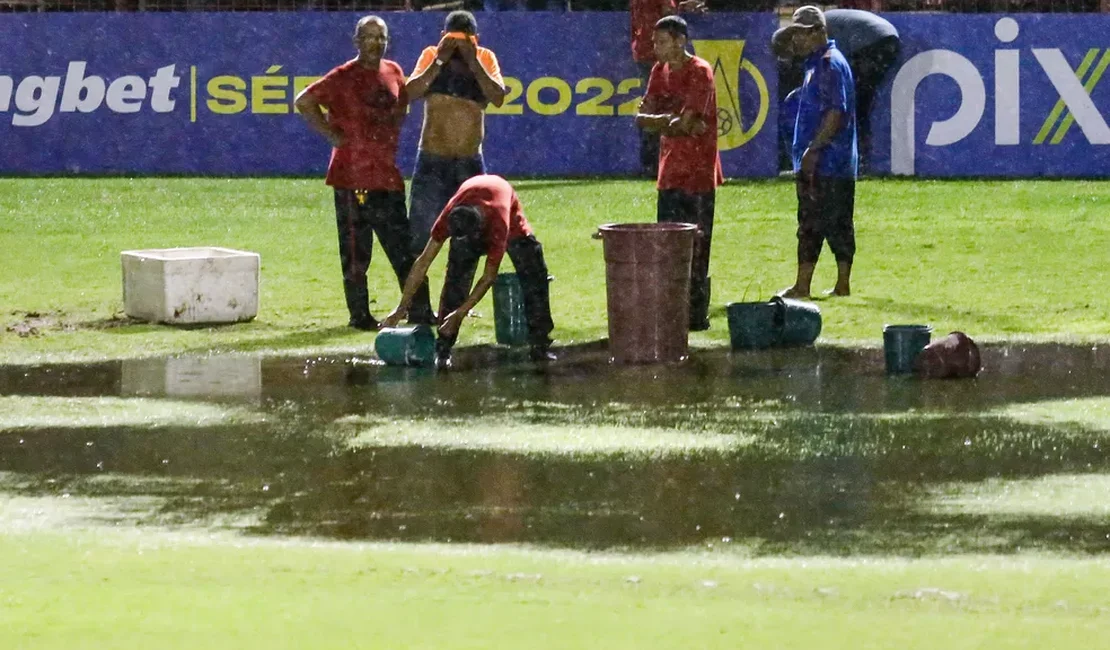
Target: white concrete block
{"x":190,"y":285}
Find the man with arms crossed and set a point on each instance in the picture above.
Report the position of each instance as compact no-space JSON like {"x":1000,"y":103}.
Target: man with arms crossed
{"x":457,"y":79}
{"x":483,"y":218}
{"x":366,"y":103}
{"x":823,"y":150}
{"x":643,"y":15}
{"x":681,"y":104}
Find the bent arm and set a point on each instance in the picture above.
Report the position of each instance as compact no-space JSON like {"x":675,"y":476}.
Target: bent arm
{"x":310,"y":110}
{"x":492,"y":86}
{"x":831,"y":123}
{"x":687,"y":124}
{"x":489,"y":276}
{"x":417,"y":86}
{"x":654,"y":121}
{"x":417,"y":275}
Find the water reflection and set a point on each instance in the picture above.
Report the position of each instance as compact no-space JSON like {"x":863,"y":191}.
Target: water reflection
{"x":226,"y":376}
{"x":831,"y":380}
{"x":820,"y":477}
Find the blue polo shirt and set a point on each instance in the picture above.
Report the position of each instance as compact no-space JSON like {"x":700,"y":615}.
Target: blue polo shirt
{"x":828,"y":85}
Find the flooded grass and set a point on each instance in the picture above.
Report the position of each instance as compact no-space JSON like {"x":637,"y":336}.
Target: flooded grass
{"x":33,"y":412}
{"x":1064,"y":496}
{"x":1091,"y":413}
{"x":233,"y":502}
{"x":808,"y":452}
{"x":512,"y":436}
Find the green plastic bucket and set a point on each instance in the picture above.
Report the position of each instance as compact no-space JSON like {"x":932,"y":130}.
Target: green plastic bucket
{"x":752,"y":325}
{"x":509,"y":322}
{"x":902,"y":344}
{"x":406,"y":346}
{"x":801,"y":321}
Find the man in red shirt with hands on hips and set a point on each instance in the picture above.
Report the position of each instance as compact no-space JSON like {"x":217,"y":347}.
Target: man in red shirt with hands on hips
{"x":366,"y":103}
{"x":484,"y":217}
{"x":681,"y":104}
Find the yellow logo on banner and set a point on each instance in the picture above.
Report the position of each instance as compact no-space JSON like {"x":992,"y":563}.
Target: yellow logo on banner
{"x":727,"y":59}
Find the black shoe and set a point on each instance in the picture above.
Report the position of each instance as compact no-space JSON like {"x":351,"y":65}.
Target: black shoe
{"x":542,"y":354}
{"x":365,"y":323}
{"x":443,"y":360}
{"x":699,"y":326}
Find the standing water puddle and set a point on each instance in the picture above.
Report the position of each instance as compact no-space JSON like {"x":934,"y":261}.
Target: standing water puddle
{"x":807,"y":451}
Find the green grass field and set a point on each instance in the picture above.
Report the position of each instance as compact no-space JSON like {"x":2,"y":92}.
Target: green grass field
{"x":116,"y":591}
{"x":978,"y":563}
{"x":994,"y":259}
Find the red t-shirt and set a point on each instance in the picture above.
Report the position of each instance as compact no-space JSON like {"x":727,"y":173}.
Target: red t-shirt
{"x":367,"y":106}
{"x":688,"y":163}
{"x":503,"y":220}
{"x":644,"y":14}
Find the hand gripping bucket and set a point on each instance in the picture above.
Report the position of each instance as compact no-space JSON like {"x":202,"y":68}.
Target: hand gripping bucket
{"x":406,"y":346}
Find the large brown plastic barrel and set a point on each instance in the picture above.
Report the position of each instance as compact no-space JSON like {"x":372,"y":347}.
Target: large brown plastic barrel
{"x":647,"y":281}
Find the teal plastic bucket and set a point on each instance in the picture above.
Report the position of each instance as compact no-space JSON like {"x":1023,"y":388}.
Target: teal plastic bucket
{"x":509,"y":322}
{"x":753,"y":325}
{"x":406,"y":346}
{"x":801,"y":321}
{"x":902,"y":344}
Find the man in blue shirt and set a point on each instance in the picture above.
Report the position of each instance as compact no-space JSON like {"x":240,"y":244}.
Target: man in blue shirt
{"x":872,"y":46}
{"x":823,"y":151}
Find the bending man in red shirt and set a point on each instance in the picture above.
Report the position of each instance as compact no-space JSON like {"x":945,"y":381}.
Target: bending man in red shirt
{"x":681,"y":103}
{"x":482,"y":218}
{"x":366,"y":103}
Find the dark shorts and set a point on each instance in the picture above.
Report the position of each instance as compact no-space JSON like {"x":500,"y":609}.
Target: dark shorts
{"x":434,"y":182}
{"x":826,"y":212}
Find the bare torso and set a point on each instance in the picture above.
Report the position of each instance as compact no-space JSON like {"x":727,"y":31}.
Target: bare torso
{"x":453,"y":127}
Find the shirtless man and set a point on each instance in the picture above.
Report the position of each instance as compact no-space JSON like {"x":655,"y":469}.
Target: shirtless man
{"x":457,"y":80}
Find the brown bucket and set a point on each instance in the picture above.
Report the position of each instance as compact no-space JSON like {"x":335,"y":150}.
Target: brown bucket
{"x":952,"y":357}
{"x":647,"y":282}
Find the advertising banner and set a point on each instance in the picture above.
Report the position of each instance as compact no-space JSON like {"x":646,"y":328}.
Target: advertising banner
{"x":212,"y":93}
{"x":996,"y":96}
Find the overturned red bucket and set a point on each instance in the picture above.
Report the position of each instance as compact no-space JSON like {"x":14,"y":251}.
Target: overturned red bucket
{"x":955,"y":356}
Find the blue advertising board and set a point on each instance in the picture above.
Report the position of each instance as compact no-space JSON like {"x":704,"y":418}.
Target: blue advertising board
{"x":996,"y":96}
{"x":212,"y":93}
